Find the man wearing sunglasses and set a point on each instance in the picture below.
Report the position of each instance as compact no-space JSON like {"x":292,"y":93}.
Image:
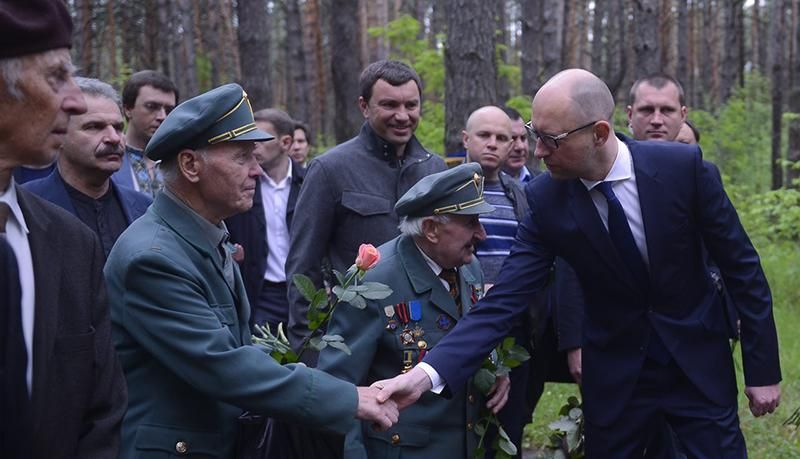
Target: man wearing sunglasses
{"x":631,"y":218}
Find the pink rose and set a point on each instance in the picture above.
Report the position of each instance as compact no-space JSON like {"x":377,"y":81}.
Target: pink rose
{"x":368,"y":257}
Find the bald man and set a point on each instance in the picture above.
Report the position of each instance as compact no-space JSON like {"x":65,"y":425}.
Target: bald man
{"x":629,"y":217}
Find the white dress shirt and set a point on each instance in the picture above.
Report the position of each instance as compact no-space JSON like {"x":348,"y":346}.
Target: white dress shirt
{"x":275,"y":198}
{"x":17,"y":237}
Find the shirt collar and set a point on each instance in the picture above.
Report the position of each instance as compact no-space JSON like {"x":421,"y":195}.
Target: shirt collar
{"x":215,"y":234}
{"x":9,"y":196}
{"x":622,"y":169}
{"x":287,"y":179}
{"x":432,"y":264}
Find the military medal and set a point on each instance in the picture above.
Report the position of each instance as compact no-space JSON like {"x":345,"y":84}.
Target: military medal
{"x":408,"y":360}
{"x":402,"y":312}
{"x":475,"y":296}
{"x":391,"y":325}
{"x":406,"y":337}
{"x":389,"y":311}
{"x":415,"y":308}
{"x":418,"y":332}
{"x":444,"y":322}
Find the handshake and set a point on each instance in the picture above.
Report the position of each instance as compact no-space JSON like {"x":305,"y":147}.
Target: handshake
{"x":381,"y":402}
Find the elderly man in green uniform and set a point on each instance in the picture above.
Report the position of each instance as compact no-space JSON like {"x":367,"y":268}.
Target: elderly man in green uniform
{"x":434,"y":278}
{"x":178,"y":306}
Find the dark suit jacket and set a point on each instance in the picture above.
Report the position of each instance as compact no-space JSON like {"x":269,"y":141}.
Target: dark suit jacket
{"x":683,"y":206}
{"x":53,"y":189}
{"x":79,"y":394}
{"x":250,"y":230}
{"x":182,"y":337}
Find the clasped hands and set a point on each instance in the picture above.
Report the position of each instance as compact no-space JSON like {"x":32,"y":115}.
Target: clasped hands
{"x":382,"y":401}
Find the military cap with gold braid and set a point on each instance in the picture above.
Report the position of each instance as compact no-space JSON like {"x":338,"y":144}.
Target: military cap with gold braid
{"x":455,"y":191}
{"x":220,"y":115}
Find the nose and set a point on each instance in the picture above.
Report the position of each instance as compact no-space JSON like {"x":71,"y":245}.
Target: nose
{"x":112,"y":135}
{"x":162,"y":113}
{"x":254,"y":169}
{"x":480,"y":233}
{"x":401,"y":114}
{"x":73,"y":102}
{"x":541,"y":150}
{"x":657,"y":118}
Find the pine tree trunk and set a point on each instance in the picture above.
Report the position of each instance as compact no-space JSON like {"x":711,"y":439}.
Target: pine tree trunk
{"x":645,"y":45}
{"x":346,"y":68}
{"x":552,"y":37}
{"x":254,"y":51}
{"x":188,"y":76}
{"x":470,"y":65}
{"x":599,"y":40}
{"x":730,"y":71}
{"x":531,"y":48}
{"x":616,"y":49}
{"x":793,"y":153}
{"x":777,"y":47}
{"x":683,"y":37}
{"x":300,"y":89}
{"x":503,"y":89}
{"x":666,"y":40}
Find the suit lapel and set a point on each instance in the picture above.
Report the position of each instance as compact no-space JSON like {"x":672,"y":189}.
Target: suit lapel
{"x":47,"y":274}
{"x":652,"y":202}
{"x":422,"y":278}
{"x":297,"y":180}
{"x":125,"y":201}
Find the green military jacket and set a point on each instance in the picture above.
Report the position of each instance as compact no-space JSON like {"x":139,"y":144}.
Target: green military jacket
{"x":383,"y":345}
{"x":182,"y":338}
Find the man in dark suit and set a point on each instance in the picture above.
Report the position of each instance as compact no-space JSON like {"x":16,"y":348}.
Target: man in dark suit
{"x":92,"y":151}
{"x":631,"y":218}
{"x":72,"y":376}
{"x":263,"y":231}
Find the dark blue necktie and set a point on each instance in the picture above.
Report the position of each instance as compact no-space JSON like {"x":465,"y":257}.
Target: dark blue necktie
{"x":623,"y":240}
{"x":621,"y":234}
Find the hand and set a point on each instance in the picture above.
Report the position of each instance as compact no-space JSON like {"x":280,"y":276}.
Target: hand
{"x":382,"y":414}
{"x":763,"y":399}
{"x":238,"y":255}
{"x":404,"y":389}
{"x":574,"y":364}
{"x":499,"y":394}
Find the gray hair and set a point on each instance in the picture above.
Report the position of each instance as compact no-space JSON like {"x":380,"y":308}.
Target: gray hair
{"x":10,"y":74}
{"x":96,"y":88}
{"x":413,"y":226}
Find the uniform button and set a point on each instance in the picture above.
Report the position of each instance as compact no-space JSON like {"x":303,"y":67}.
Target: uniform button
{"x":471,"y":398}
{"x":181,"y":447}
{"x":395,"y":439}
{"x":469,"y":426}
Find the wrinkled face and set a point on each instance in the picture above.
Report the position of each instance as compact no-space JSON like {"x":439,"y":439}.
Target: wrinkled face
{"x":488,"y":139}
{"x":656,"y":114}
{"x":518,"y":156}
{"x":685,"y":135}
{"x":456,"y":240}
{"x":148,"y":112}
{"x":33,"y":128}
{"x":94,"y":139}
{"x":552,"y":115}
{"x":299,"y":151}
{"x":393,"y":111}
{"x":228,"y":178}
{"x":271,"y":152}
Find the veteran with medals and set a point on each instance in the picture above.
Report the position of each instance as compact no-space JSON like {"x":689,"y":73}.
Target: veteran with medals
{"x":435,"y":279}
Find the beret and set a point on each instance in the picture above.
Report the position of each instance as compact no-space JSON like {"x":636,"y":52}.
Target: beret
{"x":220,"y":115}
{"x":33,"y":26}
{"x":455,"y":191}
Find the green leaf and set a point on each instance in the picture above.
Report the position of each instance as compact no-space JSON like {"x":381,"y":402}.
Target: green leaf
{"x":347,"y":296}
{"x":573,"y":401}
{"x":518,"y":353}
{"x":506,"y":444}
{"x":508,"y":343}
{"x":304,"y":286}
{"x":317,"y":343}
{"x":375,"y":291}
{"x":339,"y":277}
{"x":320,"y":300}
{"x":333,"y":338}
{"x":358,"y":302}
{"x":480,"y":428}
{"x":563,"y":425}
{"x":483,"y":380}
{"x":341,"y":346}
{"x":338,"y":290}
{"x":479,"y":453}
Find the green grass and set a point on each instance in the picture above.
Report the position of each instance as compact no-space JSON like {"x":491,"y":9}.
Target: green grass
{"x":766,"y":437}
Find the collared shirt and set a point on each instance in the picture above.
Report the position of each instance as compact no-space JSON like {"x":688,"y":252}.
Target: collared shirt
{"x":275,"y":199}
{"x":523,"y":177}
{"x":216,"y":235}
{"x":433,"y":265}
{"x":17,"y":236}
{"x":623,"y":178}
{"x":436,"y":380}
{"x":147,"y":180}
{"x":103,"y":215}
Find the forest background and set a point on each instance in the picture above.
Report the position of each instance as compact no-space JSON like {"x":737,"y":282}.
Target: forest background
{"x":737,"y":60}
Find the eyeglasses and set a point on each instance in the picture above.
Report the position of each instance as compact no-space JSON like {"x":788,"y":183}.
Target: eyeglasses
{"x":551,"y":141}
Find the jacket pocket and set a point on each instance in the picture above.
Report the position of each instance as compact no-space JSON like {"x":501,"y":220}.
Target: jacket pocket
{"x":66,"y":344}
{"x":365,"y":204}
{"x":177,"y":442}
{"x":226,"y":313}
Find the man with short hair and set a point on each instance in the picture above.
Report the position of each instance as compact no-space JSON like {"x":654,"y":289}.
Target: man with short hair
{"x":301,"y":145}
{"x":517,"y":163}
{"x":439,"y":231}
{"x":179,"y":308}
{"x":263,"y":231}
{"x":629,"y":217}
{"x":656,"y":108}
{"x":147,"y":99}
{"x":91,"y":153}
{"x":76,"y":389}
{"x":349,"y":193}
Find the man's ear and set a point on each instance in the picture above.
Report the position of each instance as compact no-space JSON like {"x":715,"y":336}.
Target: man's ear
{"x":602,"y":130}
{"x":286,"y":142}
{"x":362,"y":104}
{"x":190,"y":164}
{"x":430,"y":230}
{"x":684,"y":113}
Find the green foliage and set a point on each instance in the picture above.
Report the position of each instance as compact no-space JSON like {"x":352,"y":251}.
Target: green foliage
{"x":522,"y":104}
{"x":203,"y":65}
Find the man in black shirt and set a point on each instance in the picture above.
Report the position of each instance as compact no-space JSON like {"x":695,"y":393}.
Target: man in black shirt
{"x":91,"y":152}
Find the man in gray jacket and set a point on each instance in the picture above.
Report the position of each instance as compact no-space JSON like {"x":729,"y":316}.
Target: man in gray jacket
{"x":349,"y":193}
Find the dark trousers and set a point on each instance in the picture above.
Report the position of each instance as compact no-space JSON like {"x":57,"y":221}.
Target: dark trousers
{"x":272,"y":306}
{"x":664,"y":395}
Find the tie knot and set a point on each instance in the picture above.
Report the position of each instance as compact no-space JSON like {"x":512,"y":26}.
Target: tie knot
{"x":605,"y":188}
{"x":450,"y":276}
{"x":5,"y":211}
